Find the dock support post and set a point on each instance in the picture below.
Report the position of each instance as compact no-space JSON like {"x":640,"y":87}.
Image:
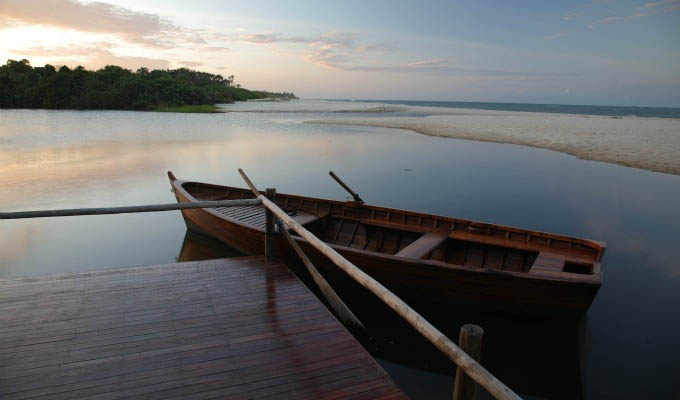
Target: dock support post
{"x":470,"y":341}
{"x":269,"y":239}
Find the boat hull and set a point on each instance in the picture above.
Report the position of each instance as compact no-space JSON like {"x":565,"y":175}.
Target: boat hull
{"x":413,"y":280}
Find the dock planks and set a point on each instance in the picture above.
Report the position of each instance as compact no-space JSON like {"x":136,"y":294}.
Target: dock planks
{"x":238,"y":328}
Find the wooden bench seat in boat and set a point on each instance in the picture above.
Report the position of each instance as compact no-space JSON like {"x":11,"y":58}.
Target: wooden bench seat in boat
{"x":570,"y":254}
{"x":554,"y":264}
{"x":306,"y":218}
{"x":548,"y":262}
{"x":423,"y":245}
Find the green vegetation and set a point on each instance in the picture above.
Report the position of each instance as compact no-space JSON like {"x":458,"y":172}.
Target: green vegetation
{"x":203,"y":108}
{"x":116,"y":88}
{"x":240,"y":94}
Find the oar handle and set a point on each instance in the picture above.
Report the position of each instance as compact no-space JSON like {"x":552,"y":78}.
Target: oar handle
{"x":350,"y":191}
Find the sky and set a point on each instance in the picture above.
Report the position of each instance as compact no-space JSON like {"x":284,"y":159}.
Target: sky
{"x":601,"y":52}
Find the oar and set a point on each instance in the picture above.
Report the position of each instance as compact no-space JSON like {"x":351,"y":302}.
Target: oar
{"x":337,"y":179}
{"x":344,"y":313}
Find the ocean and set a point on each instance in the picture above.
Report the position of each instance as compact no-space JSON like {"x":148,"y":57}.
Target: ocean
{"x":613,"y":111}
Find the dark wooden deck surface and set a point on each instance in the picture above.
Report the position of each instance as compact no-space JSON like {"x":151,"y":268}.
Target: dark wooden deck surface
{"x":231,"y":328}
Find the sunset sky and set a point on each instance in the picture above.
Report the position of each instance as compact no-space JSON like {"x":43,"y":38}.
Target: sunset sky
{"x":591,"y":52}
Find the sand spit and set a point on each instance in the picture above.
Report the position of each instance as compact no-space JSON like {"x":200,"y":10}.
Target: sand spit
{"x":311,"y":106}
{"x":647,"y":143}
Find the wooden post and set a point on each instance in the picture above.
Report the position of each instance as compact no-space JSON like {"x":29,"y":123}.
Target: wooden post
{"x":269,"y":225}
{"x":470,"y":341}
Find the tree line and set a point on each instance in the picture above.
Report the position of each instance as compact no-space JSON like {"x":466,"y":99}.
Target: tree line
{"x":116,"y":88}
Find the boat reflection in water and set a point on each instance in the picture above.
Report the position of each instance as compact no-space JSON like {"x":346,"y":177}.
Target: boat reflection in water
{"x":538,"y":358}
{"x":198,"y":247}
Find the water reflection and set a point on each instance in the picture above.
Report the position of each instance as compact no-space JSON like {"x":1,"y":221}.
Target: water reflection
{"x":196,"y":247}
{"x":538,"y":358}
{"x":69,"y":159}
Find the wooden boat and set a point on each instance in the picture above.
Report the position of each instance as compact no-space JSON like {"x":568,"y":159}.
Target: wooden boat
{"x":416,"y":255}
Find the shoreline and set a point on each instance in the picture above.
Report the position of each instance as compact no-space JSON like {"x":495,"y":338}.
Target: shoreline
{"x":190,"y":109}
{"x":628,"y":141}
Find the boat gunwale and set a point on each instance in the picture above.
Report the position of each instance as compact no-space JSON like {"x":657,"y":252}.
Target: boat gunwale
{"x":593,"y":279}
{"x":180,"y":184}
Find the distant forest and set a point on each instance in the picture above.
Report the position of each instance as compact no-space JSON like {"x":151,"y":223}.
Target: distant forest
{"x":116,"y":88}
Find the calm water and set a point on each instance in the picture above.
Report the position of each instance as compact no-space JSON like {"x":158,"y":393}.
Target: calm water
{"x":616,"y":111}
{"x":628,"y":346}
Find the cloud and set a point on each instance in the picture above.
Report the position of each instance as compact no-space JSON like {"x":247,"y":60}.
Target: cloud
{"x":332,"y":39}
{"x":645,"y":10}
{"x":261,"y":38}
{"x":338,"y":39}
{"x":340,"y":53}
{"x":213,"y":48}
{"x":430,"y":66}
{"x":611,"y":19}
{"x":329,"y":50}
{"x":93,"y":55}
{"x":431,"y":61}
{"x":97,"y":34}
{"x":191,"y":64}
{"x":105,"y":57}
{"x":327,"y":57}
{"x":570,"y":16}
{"x":66,"y":50}
{"x":376,"y":48}
{"x":132,"y":26}
{"x":667,"y":5}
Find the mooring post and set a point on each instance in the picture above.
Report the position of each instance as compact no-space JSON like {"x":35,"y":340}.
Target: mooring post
{"x":470,"y":341}
{"x":270,"y":223}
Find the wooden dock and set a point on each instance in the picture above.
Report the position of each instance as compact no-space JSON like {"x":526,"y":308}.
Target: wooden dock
{"x":237,"y":328}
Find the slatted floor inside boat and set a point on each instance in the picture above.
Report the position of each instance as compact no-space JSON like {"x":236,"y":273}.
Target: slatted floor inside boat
{"x":251,"y":215}
{"x":356,"y":234}
{"x":235,"y":328}
{"x":359,"y":234}
{"x":255,"y":215}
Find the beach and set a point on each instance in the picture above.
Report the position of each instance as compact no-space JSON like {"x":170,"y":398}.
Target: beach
{"x":647,"y":143}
